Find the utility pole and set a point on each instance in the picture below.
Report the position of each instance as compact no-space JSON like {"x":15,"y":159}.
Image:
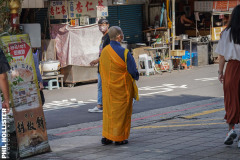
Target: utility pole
{"x":173,"y":25}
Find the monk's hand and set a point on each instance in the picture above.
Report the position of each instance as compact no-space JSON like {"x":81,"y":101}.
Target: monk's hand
{"x":94,"y":62}
{"x":41,"y":86}
{"x":5,"y":105}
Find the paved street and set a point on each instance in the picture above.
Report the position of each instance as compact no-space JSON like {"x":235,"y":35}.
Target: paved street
{"x":180,"y":116}
{"x":158,"y":91}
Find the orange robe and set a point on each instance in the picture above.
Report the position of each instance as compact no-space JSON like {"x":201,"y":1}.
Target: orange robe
{"x":118,"y":94}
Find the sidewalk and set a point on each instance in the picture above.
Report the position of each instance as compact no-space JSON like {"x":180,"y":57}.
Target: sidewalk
{"x":159,"y":134}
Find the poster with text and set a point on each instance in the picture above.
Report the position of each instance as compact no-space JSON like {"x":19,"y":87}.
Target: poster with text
{"x":25,"y":97}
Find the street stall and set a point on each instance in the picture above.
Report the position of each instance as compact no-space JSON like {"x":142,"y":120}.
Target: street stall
{"x":27,"y":129}
{"x":199,"y":42}
{"x":218,"y":15}
{"x":76,"y":41}
{"x":155,"y":58}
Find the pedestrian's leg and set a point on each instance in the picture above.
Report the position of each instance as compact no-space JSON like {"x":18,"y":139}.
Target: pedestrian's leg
{"x":231,"y":135}
{"x":99,"y":102}
{"x":230,"y":126}
{"x":98,"y":108}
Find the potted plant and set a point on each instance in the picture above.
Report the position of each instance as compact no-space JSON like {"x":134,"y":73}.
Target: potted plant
{"x":184,"y":63}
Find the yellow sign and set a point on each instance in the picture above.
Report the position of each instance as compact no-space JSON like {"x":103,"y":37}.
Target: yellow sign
{"x":216,"y":32}
{"x":25,"y":97}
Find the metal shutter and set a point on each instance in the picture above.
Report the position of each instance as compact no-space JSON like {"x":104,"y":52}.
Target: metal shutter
{"x":130,"y":19}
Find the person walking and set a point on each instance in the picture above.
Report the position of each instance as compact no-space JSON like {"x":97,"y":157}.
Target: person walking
{"x":118,"y":72}
{"x":229,"y":50}
{"x":103,"y":27}
{"x":4,"y":87}
{"x":39,"y":76}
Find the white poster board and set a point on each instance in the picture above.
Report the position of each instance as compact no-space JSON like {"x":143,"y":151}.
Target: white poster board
{"x":102,"y":11}
{"x":34,"y":31}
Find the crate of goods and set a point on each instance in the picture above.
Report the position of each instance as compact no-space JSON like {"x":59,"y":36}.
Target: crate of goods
{"x":177,"y":52}
{"x":187,"y":58}
{"x":195,"y":59}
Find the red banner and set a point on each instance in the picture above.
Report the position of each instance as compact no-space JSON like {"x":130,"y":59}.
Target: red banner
{"x":19,"y":49}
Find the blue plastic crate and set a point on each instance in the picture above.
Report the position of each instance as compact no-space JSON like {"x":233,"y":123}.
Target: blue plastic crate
{"x":194,"y":59}
{"x":186,"y":56}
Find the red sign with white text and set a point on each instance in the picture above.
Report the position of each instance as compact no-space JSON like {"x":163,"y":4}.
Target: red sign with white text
{"x":19,"y":49}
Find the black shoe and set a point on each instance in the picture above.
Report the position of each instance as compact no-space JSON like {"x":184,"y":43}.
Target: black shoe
{"x":122,"y":142}
{"x":106,"y":141}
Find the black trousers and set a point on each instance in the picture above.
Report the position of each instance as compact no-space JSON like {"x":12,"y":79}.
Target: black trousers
{"x":42,"y":97}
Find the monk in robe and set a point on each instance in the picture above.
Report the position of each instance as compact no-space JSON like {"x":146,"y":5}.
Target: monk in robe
{"x":118,"y":71}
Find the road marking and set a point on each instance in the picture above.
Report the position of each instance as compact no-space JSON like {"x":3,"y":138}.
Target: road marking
{"x":182,"y":125}
{"x":160,"y":89}
{"x":137,"y":119}
{"x":205,"y":120}
{"x":174,"y":111}
{"x":207,"y":79}
{"x":204,"y":113}
{"x":92,"y":100}
{"x":72,"y":103}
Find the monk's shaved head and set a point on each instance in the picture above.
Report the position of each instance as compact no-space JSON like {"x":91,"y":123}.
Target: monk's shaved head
{"x":114,"y":31}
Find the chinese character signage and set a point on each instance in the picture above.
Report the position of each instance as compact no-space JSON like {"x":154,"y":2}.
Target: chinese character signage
{"x":76,"y":8}
{"x":25,"y":97}
{"x":58,"y":9}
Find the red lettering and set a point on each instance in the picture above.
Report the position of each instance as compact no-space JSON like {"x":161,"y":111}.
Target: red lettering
{"x":57,"y":10}
{"x":88,"y":8}
{"x":100,"y":2}
{"x":79,"y":7}
{"x":63,"y":10}
{"x":52,"y":11}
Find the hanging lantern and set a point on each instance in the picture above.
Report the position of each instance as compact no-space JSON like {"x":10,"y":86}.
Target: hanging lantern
{"x":14,"y":8}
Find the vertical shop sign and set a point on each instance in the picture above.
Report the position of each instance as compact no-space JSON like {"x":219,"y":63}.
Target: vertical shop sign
{"x":25,"y":97}
{"x":58,"y":9}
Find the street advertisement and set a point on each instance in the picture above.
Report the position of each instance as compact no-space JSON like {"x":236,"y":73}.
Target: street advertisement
{"x":77,"y":8}
{"x":25,"y":97}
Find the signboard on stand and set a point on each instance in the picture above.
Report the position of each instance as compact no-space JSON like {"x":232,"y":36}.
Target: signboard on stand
{"x":25,"y":97}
